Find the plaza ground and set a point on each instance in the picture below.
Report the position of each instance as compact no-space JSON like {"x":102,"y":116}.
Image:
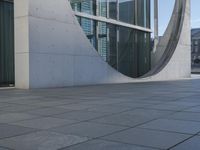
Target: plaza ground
{"x":140,"y":116}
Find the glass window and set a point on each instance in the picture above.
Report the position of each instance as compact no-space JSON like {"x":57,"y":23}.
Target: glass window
{"x":102,"y":8}
{"x":143,"y":13}
{"x":127,"y":11}
{"x":112,"y":45}
{"x":112,"y":9}
{"x":125,"y":49}
{"x":127,"y":53}
{"x":102,"y":39}
{"x":89,"y":27}
{"x":85,"y":6}
{"x":6,"y":43}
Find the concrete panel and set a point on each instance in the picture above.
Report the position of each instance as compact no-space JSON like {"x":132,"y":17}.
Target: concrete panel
{"x":51,"y":70}
{"x":22,"y":70}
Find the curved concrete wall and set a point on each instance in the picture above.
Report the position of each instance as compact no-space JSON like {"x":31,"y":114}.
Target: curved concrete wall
{"x":179,"y":61}
{"x":51,"y":50}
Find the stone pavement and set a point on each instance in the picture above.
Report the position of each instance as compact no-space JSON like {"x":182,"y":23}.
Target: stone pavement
{"x":140,"y":116}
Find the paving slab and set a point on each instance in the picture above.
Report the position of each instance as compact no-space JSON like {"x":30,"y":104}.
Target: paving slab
{"x":14,"y":117}
{"x":188,"y":116}
{"x":80,"y":115}
{"x":76,"y":106}
{"x":48,"y":111}
{"x":3,"y":148}
{"x":88,"y":129}
{"x":110,"y":109}
{"x":150,"y":138}
{"x":105,"y":145}
{"x":44,"y":123}
{"x":19,"y":108}
{"x":190,"y":144}
{"x":170,"y":107}
{"x":187,"y":127}
{"x":193,"y":109}
{"x":43,"y":140}
{"x":7,"y":130}
{"x":132,"y":118}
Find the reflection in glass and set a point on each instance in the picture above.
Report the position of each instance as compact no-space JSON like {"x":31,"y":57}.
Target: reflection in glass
{"x":85,"y":6}
{"x":88,"y":27}
{"x":102,"y":8}
{"x":102,"y":39}
{"x":125,"y":49}
{"x":112,"y":9}
{"x":143,"y":13}
{"x":127,"y":52}
{"x":127,"y":11}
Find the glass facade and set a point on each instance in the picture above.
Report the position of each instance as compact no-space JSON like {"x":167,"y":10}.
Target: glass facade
{"x":124,"y":48}
{"x":6,"y":43}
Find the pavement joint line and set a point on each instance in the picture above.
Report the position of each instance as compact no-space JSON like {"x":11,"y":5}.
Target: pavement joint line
{"x":97,"y":138}
{"x":36,"y":130}
{"x":88,"y":120}
{"x":184,"y":141}
{"x":166,"y":131}
{"x":101,"y":137}
{"x":156,"y":148}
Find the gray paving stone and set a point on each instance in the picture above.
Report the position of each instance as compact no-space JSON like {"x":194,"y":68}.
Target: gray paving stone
{"x":24,"y":101}
{"x":2,"y":105}
{"x":133,"y":104}
{"x":51,"y":103}
{"x":179,"y":102}
{"x":148,"y":113}
{"x":172,"y":107}
{"x":132,"y":118}
{"x":44,"y":123}
{"x":88,"y":129}
{"x":151,"y":138}
{"x":119,"y":103}
{"x":191,"y":99}
{"x":110,"y":109}
{"x":122,"y":120}
{"x":48,"y":111}
{"x":189,"y":116}
{"x":3,"y":148}
{"x":187,"y":127}
{"x":193,"y":109}
{"x":102,"y":101}
{"x":105,"y":145}
{"x":14,"y":117}
{"x":12,"y":130}
{"x":191,"y":144}
{"x":19,"y":108}
{"x":76,"y":106}
{"x":41,"y":141}
{"x":80,"y":115}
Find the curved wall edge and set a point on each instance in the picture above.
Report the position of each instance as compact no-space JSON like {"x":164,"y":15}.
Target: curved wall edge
{"x":179,"y":65}
{"x":51,"y":49}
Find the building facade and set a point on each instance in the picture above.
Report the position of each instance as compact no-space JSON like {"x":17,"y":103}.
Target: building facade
{"x":195,"y":36}
{"x":61,"y":43}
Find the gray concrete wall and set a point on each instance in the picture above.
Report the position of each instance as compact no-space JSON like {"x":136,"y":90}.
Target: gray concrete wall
{"x":179,"y":65}
{"x":51,"y":50}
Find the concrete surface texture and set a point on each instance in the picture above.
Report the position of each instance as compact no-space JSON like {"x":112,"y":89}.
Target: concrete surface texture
{"x":135,"y":116}
{"x":51,"y":50}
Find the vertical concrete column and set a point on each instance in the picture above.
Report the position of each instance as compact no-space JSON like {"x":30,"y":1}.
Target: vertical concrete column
{"x":21,"y":43}
{"x":156,"y":37}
